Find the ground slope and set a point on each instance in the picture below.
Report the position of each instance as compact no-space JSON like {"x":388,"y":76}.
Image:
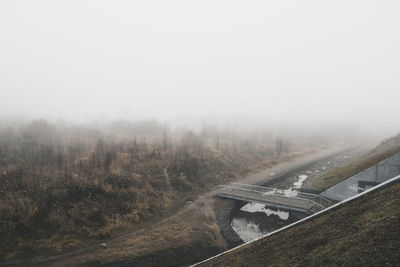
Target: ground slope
{"x":363,"y":232}
{"x":383,"y":151}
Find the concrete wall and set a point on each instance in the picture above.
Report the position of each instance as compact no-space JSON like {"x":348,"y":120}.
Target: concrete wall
{"x":364,"y":180}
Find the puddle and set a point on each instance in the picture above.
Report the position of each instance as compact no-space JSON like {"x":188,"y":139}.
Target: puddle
{"x":257,"y":207}
{"x":246,"y":230}
{"x":299,"y":182}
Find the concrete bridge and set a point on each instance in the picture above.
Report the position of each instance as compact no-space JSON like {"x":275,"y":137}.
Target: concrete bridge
{"x":273,"y":197}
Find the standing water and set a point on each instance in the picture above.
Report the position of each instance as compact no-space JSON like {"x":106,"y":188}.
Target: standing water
{"x":255,"y":220}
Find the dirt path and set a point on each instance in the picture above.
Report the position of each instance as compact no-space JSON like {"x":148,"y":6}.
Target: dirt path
{"x":275,"y":172}
{"x":193,"y":232}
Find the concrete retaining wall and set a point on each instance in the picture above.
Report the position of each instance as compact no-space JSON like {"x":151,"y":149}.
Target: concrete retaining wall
{"x":364,"y":180}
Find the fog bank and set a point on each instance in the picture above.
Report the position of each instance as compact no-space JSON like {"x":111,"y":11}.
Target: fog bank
{"x":284,"y":62}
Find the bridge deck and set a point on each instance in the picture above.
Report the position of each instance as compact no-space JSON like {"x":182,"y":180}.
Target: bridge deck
{"x":270,"y":197}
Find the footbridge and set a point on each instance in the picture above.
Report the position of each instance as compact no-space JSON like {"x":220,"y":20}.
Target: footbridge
{"x":273,"y":197}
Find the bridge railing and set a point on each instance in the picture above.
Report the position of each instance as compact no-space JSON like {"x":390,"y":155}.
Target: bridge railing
{"x":316,"y":202}
{"x":284,"y":192}
{"x":228,"y":189}
{"x":267,"y":191}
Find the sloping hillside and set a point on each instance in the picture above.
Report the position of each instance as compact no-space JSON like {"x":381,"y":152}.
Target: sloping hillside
{"x":364,"y":232}
{"x":385,"y":150}
{"x":69,"y":187}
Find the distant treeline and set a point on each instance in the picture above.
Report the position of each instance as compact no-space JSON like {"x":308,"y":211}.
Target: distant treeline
{"x":63,"y":184}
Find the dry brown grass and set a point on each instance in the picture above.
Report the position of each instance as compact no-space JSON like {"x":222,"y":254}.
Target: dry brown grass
{"x":62,"y":192}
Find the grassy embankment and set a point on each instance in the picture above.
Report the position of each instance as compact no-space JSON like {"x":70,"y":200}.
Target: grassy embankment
{"x":364,"y":232}
{"x":66,"y":187}
{"x":385,"y":150}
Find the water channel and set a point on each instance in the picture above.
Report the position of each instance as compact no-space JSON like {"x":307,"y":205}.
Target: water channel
{"x":253,"y":220}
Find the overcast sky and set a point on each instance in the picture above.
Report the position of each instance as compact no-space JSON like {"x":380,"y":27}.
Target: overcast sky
{"x":291,"y":60}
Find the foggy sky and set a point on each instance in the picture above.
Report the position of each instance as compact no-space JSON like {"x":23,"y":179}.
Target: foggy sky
{"x":281,"y":60}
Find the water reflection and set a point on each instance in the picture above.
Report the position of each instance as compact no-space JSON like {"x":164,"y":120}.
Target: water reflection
{"x":257,"y":207}
{"x":251,"y":227}
{"x":246,"y":230}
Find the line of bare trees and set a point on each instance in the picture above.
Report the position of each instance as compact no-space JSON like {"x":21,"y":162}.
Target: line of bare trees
{"x":82,"y":181}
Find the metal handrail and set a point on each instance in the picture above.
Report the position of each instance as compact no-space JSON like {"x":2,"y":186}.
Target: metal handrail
{"x":255,"y":191}
{"x":250,"y":185}
{"x":278,"y":195}
{"x":272,"y":189}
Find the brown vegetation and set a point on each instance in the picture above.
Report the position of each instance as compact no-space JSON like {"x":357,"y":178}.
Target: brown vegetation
{"x":63,"y":185}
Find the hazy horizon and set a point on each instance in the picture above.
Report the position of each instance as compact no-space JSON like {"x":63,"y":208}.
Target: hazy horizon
{"x":283,"y":62}
{"x":138,"y":132}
